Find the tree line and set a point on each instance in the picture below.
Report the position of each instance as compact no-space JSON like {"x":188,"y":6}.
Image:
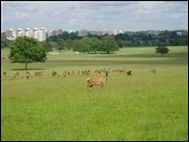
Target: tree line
{"x":106,"y":43}
{"x":137,"y":39}
{"x":88,"y":44}
{"x":93,"y":43}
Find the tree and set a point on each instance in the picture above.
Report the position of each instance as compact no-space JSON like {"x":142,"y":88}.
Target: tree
{"x":27,"y":50}
{"x":54,"y":45}
{"x":96,"y":44}
{"x":46,"y":45}
{"x":86,"y":44}
{"x":68,"y":44}
{"x":82,"y":45}
{"x":61,"y":44}
{"x":4,"y":41}
{"x":109,"y":44}
{"x":162,"y":49}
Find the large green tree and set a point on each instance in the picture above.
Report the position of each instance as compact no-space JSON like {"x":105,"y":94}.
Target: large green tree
{"x":96,"y":44}
{"x":82,"y":45}
{"x":162,"y":49}
{"x":109,"y":44}
{"x":27,"y":50}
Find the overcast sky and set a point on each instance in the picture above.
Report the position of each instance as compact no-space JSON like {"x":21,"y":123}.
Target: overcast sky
{"x":126,"y":16}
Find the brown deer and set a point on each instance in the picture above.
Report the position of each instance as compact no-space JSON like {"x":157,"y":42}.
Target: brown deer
{"x":38,"y":74}
{"x":13,"y":78}
{"x":153,"y":70}
{"x":54,"y":73}
{"x":97,"y":81}
{"x":129,"y":73}
{"x":4,"y":73}
{"x":28,"y":77}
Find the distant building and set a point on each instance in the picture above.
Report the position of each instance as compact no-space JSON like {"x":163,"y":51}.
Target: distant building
{"x":83,"y":33}
{"x":39,"y":34}
{"x":11,"y":34}
{"x":35,"y":33}
{"x":96,"y":33}
{"x":185,"y":33}
{"x":28,"y":32}
{"x":179,"y":33}
{"x":51,"y":33}
{"x":42,"y":34}
{"x":59,"y":32}
{"x":20,"y":32}
{"x":152,"y":32}
{"x":182,"y":33}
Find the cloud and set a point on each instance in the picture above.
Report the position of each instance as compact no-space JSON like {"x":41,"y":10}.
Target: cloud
{"x":131,"y":15}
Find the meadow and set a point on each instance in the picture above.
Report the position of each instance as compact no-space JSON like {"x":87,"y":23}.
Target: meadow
{"x":144,"y":106}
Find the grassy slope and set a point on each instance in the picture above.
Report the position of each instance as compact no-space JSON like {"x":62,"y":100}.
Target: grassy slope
{"x":143,"y":107}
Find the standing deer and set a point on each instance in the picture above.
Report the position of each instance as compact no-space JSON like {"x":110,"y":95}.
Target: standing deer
{"x":97,"y":81}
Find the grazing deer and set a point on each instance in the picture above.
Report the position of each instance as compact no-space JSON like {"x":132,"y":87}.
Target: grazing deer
{"x":97,"y":81}
{"x":38,"y":74}
{"x":64,"y":74}
{"x":54,"y":73}
{"x":129,"y":73}
{"x":153,"y":70}
{"x":28,"y":77}
{"x":17,"y":73}
{"x":4,"y":73}
{"x":13,"y":78}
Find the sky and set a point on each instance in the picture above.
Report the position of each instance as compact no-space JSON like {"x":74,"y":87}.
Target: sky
{"x":95,"y":15}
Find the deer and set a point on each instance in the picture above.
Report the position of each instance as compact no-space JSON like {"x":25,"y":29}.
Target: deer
{"x":129,"y":72}
{"x":97,"y":80}
{"x":38,"y":74}
{"x":13,"y":78}
{"x":4,"y":73}
{"x":153,"y":70}
{"x":28,"y":77}
{"x":54,"y":73}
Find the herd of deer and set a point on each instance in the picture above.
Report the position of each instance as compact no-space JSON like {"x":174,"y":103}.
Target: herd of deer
{"x":28,"y":75}
{"x":98,"y":80}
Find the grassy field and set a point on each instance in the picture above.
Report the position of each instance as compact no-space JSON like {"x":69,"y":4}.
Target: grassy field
{"x":145,"y":106}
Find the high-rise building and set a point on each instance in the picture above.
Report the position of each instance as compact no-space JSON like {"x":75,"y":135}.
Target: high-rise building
{"x":11,"y":33}
{"x":28,"y":32}
{"x":20,"y":32}
{"x":39,"y":34}
{"x":42,"y":34}
{"x":35,"y":33}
